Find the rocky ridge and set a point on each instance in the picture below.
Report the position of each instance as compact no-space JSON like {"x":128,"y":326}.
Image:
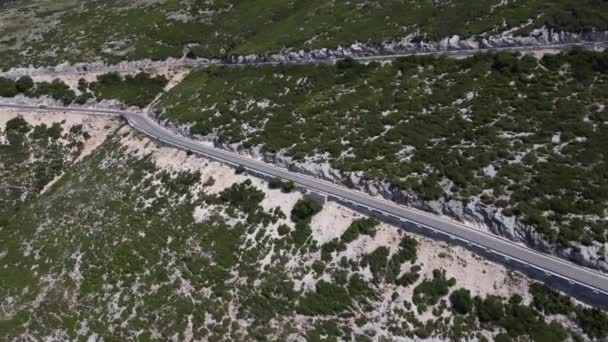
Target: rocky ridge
{"x":417,"y":43}
{"x":542,"y":38}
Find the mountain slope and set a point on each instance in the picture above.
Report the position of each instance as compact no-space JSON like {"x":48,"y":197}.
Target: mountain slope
{"x":51,"y":32}
{"x":141,"y":241}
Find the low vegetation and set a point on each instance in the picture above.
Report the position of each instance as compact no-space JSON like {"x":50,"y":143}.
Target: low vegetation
{"x":138,"y":90}
{"x":430,"y":291}
{"x":229,"y":274}
{"x":285,"y":186}
{"x":515,"y":133}
{"x":305,"y":209}
{"x":52,"y":33}
{"x":365,"y":226}
{"x":31,"y":158}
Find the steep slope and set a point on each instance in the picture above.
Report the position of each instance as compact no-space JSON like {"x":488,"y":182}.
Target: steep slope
{"x":512,"y":144}
{"x":51,"y":32}
{"x":141,"y":241}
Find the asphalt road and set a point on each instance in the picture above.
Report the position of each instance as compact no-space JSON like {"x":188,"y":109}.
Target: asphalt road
{"x":573,"y":273}
{"x":453,"y":53}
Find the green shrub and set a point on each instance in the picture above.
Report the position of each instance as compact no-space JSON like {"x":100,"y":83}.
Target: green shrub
{"x":56,"y":89}
{"x":407,"y":250}
{"x":288,"y":186}
{"x":461,"y":301}
{"x":430,"y":291}
{"x":378,"y":262}
{"x":328,"y":299}
{"x":366,"y":226}
{"x":490,"y":309}
{"x":138,"y":90}
{"x":18,"y":124}
{"x":275,"y":183}
{"x":359,"y":288}
{"x":8,"y":87}
{"x":330,"y":247}
{"x":410,"y":277}
{"x":550,"y":301}
{"x":24,"y":84}
{"x":283,"y":230}
{"x":243,"y":195}
{"x":285,"y":186}
{"x":593,"y":321}
{"x":304,"y":209}
{"x":240,"y":170}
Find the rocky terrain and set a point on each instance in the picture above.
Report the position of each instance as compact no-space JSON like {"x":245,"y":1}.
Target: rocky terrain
{"x":259,"y":121}
{"x":106,"y":234}
{"x":541,"y":40}
{"x":136,"y":240}
{"x":46,"y":32}
{"x":474,"y":213}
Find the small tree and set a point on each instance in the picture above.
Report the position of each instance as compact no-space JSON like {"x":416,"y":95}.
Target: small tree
{"x":240,"y":170}
{"x":24,"y":84}
{"x":461,"y":301}
{"x":288,"y":187}
{"x":305,"y":209}
{"x":7,"y":87}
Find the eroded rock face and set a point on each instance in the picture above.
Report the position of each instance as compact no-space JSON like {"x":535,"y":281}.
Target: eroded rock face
{"x":411,"y":44}
{"x":474,"y":212}
{"x":417,"y":43}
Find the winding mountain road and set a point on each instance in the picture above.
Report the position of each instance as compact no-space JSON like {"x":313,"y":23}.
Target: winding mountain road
{"x":594,"y":282}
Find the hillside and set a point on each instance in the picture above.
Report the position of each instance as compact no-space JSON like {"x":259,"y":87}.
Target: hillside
{"x":46,"y":32}
{"x":140,"y":241}
{"x":513,"y":144}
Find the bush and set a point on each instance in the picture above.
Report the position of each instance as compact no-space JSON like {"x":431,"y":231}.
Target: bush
{"x":378,"y":262}
{"x":593,"y":321}
{"x":366,"y":226}
{"x":359,"y":288}
{"x":489,"y":310}
{"x":24,"y":84}
{"x":407,"y":251}
{"x":410,"y":277}
{"x":83,"y":98}
{"x":7,"y":87}
{"x":57,"y":90}
{"x":301,"y":233}
{"x":275,"y":183}
{"x":430,"y":291}
{"x":17,"y":124}
{"x":288,"y":187}
{"x":243,"y":196}
{"x":305,"y":209}
{"x":330,"y":247}
{"x":549,"y":301}
{"x":461,"y":301}
{"x":138,"y":90}
{"x":285,"y":186}
{"x":240,"y":170}
{"x":329,"y":299}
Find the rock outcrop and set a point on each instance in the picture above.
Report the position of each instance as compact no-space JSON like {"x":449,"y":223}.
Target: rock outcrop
{"x":542,"y":38}
{"x":412,"y":44}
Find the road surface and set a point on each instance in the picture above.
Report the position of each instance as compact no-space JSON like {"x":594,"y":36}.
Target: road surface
{"x":592,"y":280}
